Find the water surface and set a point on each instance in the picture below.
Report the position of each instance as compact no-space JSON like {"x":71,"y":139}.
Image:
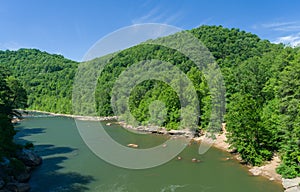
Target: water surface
{"x":70,"y":166}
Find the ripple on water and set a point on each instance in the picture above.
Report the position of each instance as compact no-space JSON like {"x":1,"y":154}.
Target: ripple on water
{"x":171,"y":188}
{"x":114,"y":188}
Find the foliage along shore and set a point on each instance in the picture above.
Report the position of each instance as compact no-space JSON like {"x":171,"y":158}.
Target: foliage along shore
{"x":16,"y":161}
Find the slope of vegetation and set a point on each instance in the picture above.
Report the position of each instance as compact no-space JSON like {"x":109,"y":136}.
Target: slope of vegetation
{"x":47,"y":78}
{"x":262,"y":90}
{"x":12,"y":95}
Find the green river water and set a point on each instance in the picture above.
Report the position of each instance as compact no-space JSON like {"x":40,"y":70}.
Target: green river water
{"x":69,"y":165}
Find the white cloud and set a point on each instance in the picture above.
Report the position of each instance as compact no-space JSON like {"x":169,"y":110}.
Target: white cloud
{"x":278,"y":24}
{"x":289,"y":26}
{"x":287,"y":32}
{"x":292,"y":40}
{"x":157,"y":15}
{"x":148,"y":16}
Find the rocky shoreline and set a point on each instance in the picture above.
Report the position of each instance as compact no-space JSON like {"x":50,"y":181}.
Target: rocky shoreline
{"x":15,"y":178}
{"x":79,"y":117}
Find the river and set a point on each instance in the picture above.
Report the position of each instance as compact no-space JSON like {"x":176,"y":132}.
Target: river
{"x":69,"y":165}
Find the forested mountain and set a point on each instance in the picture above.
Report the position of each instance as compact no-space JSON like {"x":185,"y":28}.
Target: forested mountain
{"x":262,"y":83}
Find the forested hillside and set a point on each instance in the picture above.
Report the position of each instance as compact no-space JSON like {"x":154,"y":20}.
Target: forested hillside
{"x":12,"y":95}
{"x":47,"y":78}
{"x":262,"y":89}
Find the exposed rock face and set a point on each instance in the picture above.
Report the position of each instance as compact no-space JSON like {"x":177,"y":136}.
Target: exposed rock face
{"x":291,"y":185}
{"x":29,"y":158}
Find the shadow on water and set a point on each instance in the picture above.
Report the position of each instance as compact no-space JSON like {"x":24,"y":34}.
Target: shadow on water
{"x":24,"y":132}
{"x":50,"y":177}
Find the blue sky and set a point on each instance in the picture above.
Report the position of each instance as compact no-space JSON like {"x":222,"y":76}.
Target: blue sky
{"x":71,"y":27}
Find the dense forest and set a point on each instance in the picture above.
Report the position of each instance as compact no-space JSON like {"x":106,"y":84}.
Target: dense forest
{"x":12,"y":95}
{"x":47,"y":78}
{"x":262,"y":83}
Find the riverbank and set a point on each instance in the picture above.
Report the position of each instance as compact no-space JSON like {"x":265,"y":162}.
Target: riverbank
{"x":268,"y":170}
{"x":79,"y":117}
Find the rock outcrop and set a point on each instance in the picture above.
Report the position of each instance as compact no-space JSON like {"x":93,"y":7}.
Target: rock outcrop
{"x":29,"y":158}
{"x":12,"y":182}
{"x":291,"y":185}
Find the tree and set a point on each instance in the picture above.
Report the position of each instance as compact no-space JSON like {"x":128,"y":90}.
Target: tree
{"x":245,"y":133}
{"x":10,"y":97}
{"x":288,"y":91}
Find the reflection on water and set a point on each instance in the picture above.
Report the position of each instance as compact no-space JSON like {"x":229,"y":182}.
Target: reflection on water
{"x":70,"y":166}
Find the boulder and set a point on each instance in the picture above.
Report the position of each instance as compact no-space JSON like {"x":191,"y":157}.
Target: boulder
{"x":289,"y":183}
{"x":162,"y":132}
{"x":153,"y":129}
{"x":132,"y":145}
{"x":176,"y":132}
{"x":18,"y":187}
{"x":29,"y":158}
{"x":195,"y":160}
{"x":293,"y":189}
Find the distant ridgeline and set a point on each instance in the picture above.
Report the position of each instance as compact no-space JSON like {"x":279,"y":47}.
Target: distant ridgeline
{"x":262,"y":89}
